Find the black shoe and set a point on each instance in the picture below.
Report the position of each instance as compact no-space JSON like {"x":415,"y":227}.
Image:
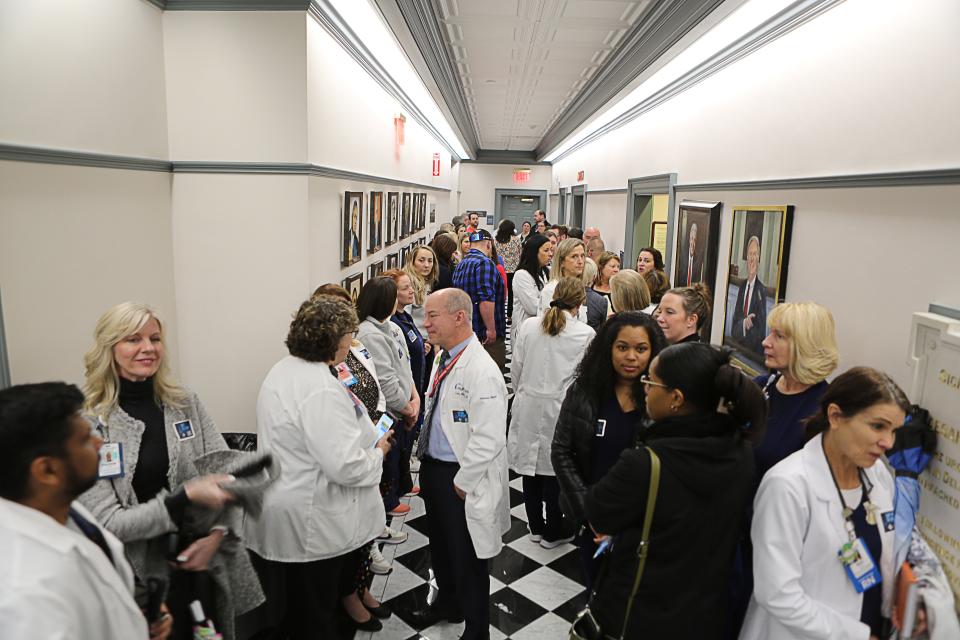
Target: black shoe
{"x":383,"y":611}
{"x":429,"y":616}
{"x":370,"y":625}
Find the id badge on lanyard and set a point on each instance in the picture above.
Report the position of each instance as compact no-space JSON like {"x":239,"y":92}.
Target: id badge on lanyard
{"x":859,"y":565}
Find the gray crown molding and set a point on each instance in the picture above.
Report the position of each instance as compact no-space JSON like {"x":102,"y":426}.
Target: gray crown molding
{"x":503,"y":156}
{"x":19,"y":153}
{"x":295,"y":169}
{"x":792,"y":17}
{"x":943,"y":310}
{"x":426,"y":29}
{"x":663,"y":25}
{"x":924,"y":177}
{"x":232,"y":5}
{"x":334,"y":24}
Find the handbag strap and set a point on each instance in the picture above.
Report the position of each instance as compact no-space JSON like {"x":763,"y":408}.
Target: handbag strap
{"x":644,"y":545}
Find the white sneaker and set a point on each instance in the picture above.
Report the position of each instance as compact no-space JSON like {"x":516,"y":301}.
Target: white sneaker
{"x":414,"y":464}
{"x":551,"y":544}
{"x":392,"y":536}
{"x":379,"y":564}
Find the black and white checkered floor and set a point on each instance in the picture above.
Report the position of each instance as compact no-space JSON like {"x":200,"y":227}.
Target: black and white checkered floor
{"x":534,"y":592}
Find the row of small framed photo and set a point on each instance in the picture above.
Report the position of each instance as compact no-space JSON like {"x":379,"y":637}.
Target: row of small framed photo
{"x":757,"y":268}
{"x":406,"y":214}
{"x":396,"y":260}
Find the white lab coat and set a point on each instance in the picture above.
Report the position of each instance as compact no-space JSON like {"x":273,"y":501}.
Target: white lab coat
{"x":543,"y":367}
{"x":800,"y":587}
{"x":58,"y":585}
{"x":526,"y":301}
{"x":475,"y":387}
{"x":546,"y":297}
{"x":326,"y":501}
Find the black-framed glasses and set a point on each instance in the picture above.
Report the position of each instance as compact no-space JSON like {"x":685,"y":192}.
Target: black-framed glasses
{"x":646,"y":381}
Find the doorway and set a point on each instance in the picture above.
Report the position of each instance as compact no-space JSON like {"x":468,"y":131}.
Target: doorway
{"x":518,"y":205}
{"x":649,"y":217}
{"x":561,"y":206}
{"x":579,"y":206}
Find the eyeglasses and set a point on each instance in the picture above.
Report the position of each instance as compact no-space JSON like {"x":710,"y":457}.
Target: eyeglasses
{"x":351,"y":334}
{"x":645,"y":380}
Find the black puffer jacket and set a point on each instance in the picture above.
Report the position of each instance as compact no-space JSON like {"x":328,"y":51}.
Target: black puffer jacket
{"x":572,"y":449}
{"x":706,"y":476}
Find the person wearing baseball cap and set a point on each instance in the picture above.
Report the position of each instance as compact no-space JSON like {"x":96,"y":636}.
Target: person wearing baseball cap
{"x":477,"y":276}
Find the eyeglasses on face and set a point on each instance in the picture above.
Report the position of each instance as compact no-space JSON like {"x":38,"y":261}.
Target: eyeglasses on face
{"x":646,"y":381}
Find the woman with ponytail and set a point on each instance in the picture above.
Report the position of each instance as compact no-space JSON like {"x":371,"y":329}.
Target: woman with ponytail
{"x":701,"y":409}
{"x":684,"y":311}
{"x":545,"y":355}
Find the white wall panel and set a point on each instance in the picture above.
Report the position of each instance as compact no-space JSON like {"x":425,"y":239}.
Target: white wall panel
{"x":607,"y":212}
{"x":83,"y":75}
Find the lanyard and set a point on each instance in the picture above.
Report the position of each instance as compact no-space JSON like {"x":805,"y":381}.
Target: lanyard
{"x":440,"y":375}
{"x":866,"y":487}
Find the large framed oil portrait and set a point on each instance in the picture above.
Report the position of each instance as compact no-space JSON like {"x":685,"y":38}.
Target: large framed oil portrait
{"x":698,"y":245}
{"x":759,"y":257}
{"x":406,"y":211}
{"x":351,"y":225}
{"x":415,"y":214}
{"x":393,"y":218}
{"x":353,"y":284}
{"x":422,"y":213}
{"x":375,"y":222}
{"x":374,"y":270}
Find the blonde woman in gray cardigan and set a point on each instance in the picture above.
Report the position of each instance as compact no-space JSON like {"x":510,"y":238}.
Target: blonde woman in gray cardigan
{"x":159,"y":429}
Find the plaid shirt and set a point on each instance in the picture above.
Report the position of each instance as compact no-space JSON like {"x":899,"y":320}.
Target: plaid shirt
{"x":477,"y":275}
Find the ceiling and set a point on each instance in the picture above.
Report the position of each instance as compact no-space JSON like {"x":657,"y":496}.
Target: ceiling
{"x":517,"y":76}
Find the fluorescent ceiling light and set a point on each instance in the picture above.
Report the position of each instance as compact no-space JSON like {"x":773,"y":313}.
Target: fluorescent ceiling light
{"x":739,"y":23}
{"x":367,"y":23}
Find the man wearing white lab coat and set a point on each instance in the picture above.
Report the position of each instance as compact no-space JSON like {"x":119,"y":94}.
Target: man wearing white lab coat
{"x":64,"y":577}
{"x":463,"y":466}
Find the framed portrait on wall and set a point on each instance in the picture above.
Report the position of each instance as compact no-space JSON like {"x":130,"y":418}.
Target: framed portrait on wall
{"x":392,"y":260}
{"x":415,"y":214}
{"x":433,"y":213}
{"x":351,"y":225}
{"x":698,"y":241}
{"x":374,"y":270}
{"x":353,"y":284}
{"x":759,"y":257}
{"x":423,"y":211}
{"x":393,"y":218}
{"x":375,"y":222}
{"x":405,"y":215}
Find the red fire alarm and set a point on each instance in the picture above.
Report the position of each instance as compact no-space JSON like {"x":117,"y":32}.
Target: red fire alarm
{"x":436,"y":164}
{"x":580,"y":176}
{"x":521,"y":175}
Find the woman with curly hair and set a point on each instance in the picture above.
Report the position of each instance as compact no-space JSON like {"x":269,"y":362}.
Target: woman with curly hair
{"x":160,"y":429}
{"x":601,"y":414}
{"x":319,"y":517}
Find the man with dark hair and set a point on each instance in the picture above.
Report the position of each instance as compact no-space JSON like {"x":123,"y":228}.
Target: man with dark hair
{"x":456,"y":221}
{"x":477,"y":275}
{"x":575,"y":232}
{"x":63,"y":574}
{"x":473,"y":221}
{"x":538,"y":217}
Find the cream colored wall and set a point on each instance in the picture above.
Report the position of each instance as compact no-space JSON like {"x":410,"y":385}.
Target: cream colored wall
{"x":236,"y":85}
{"x":872,"y":256}
{"x":84,"y":76}
{"x":836,"y":97}
{"x":74,"y":241}
{"x":351,"y":117}
{"x":607,"y":212}
{"x":479,"y":182}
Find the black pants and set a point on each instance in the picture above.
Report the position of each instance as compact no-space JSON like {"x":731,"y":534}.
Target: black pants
{"x":537,"y":492}
{"x":303,"y":598}
{"x":185,"y":587}
{"x":462,"y":578}
{"x":510,"y":294}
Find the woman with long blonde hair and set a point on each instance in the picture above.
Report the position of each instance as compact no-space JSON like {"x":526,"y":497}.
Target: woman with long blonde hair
{"x":159,"y":429}
{"x":545,"y":357}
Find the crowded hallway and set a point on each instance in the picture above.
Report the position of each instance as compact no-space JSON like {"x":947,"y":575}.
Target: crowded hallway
{"x":371,"y":319}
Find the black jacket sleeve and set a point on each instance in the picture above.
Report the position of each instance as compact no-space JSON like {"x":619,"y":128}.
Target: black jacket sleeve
{"x":619,"y":499}
{"x":567,"y":453}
